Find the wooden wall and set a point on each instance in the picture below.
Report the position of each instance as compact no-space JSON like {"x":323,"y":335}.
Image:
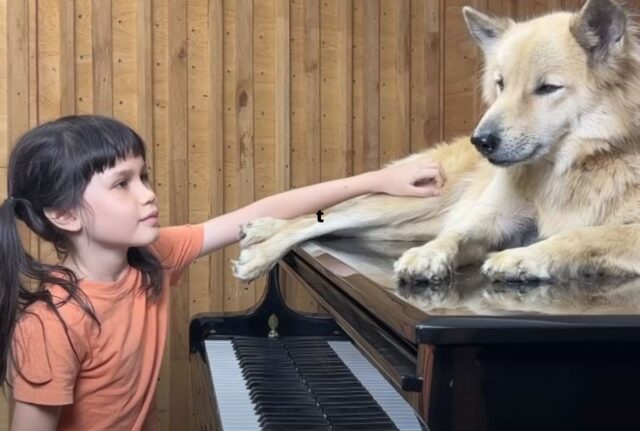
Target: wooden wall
{"x":241,"y":99}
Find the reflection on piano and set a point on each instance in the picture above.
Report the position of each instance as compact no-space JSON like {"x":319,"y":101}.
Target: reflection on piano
{"x":466,"y":355}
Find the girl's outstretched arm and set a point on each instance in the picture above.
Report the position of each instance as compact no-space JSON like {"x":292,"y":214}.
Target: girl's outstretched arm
{"x":27,"y":417}
{"x":420,"y":179}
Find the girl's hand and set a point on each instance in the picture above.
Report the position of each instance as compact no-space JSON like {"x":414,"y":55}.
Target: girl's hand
{"x":420,"y":179}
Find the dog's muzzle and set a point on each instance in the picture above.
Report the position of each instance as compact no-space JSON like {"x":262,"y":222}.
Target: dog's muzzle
{"x":486,"y":143}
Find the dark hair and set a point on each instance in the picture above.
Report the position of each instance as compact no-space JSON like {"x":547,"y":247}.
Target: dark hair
{"x":50,"y":167}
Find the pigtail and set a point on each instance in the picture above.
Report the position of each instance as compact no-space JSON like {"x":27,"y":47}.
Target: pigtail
{"x":13,"y":260}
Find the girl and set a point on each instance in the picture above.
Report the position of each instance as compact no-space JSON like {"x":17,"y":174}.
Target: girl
{"x":82,"y":351}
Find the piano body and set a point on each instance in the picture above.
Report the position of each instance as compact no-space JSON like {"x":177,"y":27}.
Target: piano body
{"x":465,"y":355}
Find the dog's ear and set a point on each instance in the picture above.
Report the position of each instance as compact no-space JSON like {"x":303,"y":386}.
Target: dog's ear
{"x":600,"y":27}
{"x":484,"y":29}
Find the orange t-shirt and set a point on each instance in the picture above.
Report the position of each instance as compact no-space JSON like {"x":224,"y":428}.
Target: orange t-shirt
{"x":110,"y":380}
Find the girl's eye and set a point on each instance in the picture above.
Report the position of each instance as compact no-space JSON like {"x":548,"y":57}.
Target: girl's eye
{"x":122,"y":184}
{"x":144,"y":178}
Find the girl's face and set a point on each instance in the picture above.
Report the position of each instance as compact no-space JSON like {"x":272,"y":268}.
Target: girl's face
{"x":123,"y":209}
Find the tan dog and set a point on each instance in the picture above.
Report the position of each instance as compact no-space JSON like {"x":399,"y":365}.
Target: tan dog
{"x":558,"y":150}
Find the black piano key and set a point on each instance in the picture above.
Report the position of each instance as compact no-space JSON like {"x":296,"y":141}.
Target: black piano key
{"x":300,"y":383}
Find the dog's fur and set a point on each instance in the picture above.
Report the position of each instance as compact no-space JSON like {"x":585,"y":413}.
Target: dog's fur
{"x":560,"y":146}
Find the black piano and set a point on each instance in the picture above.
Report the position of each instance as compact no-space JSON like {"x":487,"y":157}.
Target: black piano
{"x":464,"y":355}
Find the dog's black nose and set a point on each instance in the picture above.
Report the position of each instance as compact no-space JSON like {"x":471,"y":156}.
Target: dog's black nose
{"x":486,"y":143}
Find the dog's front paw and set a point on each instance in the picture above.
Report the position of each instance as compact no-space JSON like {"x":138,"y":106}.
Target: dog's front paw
{"x":425,"y":263}
{"x":517,"y":264}
{"x":259,"y":230}
{"x":252,"y":263}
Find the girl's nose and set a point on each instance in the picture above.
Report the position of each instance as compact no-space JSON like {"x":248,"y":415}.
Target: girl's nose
{"x":148,"y":195}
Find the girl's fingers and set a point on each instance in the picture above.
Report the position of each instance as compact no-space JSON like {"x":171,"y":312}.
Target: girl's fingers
{"x":429,"y":175}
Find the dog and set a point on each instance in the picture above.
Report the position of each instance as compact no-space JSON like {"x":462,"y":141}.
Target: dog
{"x":557,"y":152}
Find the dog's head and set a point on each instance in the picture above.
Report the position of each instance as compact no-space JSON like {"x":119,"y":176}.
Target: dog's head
{"x":544,"y":79}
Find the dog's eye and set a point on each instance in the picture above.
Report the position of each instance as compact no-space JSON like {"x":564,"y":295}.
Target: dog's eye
{"x":547,"y":88}
{"x":500,"y":84}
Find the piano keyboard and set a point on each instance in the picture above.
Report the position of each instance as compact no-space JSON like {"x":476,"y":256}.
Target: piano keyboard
{"x":294,"y":383}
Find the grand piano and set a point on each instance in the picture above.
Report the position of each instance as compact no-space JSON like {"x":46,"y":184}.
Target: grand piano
{"x":468,"y":354}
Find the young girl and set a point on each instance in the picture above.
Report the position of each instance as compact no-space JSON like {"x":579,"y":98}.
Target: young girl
{"x":82,"y":351}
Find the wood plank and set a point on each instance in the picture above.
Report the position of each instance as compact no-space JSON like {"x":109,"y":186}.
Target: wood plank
{"x":67,"y":59}
{"x":425,"y":73}
{"x":83,"y":57}
{"x":232,"y":288}
{"x":245,"y":125}
{"x":395,"y":126}
{"x":371,"y":86}
{"x":198,"y":141}
{"x":283,"y":97}
{"x":144,"y":68}
{"x":49,"y":100}
{"x":178,"y":204}
{"x":216,"y":145}
{"x":304,"y":169}
{"x":313,"y":118}
{"x":161,"y":174}
{"x":102,"y":57}
{"x":124,"y":61}
{"x":366,"y":82}
{"x":17,"y":73}
{"x":271,"y":106}
{"x":335,"y":90}
{"x":198,"y":70}
{"x":460,"y":108}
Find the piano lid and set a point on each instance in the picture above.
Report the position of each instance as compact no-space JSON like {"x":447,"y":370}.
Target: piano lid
{"x":471,"y":308}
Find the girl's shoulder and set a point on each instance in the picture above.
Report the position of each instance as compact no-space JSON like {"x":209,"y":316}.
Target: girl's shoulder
{"x":62,"y":310}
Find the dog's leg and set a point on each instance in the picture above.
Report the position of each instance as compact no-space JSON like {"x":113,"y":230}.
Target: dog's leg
{"x":475,"y":226}
{"x":583,"y":252}
{"x":268,"y":240}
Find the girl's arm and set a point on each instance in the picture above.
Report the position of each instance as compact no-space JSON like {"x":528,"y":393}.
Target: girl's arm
{"x":28,"y":417}
{"x":420,"y":179}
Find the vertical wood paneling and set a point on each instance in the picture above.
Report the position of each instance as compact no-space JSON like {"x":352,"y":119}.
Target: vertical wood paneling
{"x":237,"y":100}
{"x":67,"y":58}
{"x":124,"y":61}
{"x":244,"y":103}
{"x":395,"y":127}
{"x":335,"y":72}
{"x":271,"y":125}
{"x":161,"y":171}
{"x":460,"y":80}
{"x":305,"y":115}
{"x":178,"y":203}
{"x":367,"y":87}
{"x":102,"y":42}
{"x":231,"y":287}
{"x":216,"y":145}
{"x":425,"y":73}
{"x":49,"y":68}
{"x":283,"y":97}
{"x":84,"y":58}
{"x":198,"y":153}
{"x":144,"y":69}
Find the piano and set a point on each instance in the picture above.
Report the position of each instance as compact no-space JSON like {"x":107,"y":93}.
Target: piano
{"x":468,"y":354}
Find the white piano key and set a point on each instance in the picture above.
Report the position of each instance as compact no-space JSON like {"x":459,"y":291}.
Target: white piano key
{"x":398,"y":410}
{"x":234,"y":404}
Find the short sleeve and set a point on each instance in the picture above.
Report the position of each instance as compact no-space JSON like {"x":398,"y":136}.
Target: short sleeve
{"x":178,"y":246}
{"x":43,"y":365}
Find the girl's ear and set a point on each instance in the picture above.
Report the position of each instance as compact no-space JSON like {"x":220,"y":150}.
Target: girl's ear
{"x":67,"y":220}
